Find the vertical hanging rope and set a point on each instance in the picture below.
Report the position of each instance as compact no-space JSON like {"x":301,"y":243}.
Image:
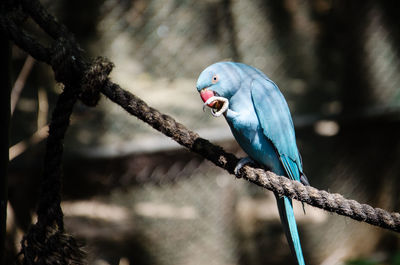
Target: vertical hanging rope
{"x":46,"y":241}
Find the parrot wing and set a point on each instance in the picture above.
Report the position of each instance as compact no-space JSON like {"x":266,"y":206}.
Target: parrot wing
{"x":276,"y":122}
{"x":274,"y":117}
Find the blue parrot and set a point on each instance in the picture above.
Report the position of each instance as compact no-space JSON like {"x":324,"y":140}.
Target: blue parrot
{"x":260,"y":121}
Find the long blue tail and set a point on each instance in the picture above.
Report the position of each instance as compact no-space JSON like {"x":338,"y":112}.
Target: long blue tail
{"x":289,"y":225}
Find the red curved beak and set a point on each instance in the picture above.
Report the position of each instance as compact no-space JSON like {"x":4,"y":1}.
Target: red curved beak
{"x":206,"y":94}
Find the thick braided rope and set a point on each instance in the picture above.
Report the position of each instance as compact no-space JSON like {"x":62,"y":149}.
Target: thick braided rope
{"x":46,"y":242}
{"x":332,"y":202}
{"x":23,"y":39}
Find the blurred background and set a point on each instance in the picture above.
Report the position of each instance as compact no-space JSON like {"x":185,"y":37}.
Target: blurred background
{"x":135,"y":197}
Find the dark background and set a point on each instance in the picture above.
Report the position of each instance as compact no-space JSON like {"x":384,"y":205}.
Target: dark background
{"x":135,"y":197}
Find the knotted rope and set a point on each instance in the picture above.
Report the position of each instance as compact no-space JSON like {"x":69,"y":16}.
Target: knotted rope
{"x":46,"y":242}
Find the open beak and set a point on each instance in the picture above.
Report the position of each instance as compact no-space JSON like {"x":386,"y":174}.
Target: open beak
{"x":206,"y":94}
{"x":217,"y":104}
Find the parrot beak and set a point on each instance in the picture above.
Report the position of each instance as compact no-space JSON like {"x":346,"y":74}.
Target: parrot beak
{"x":217,"y":104}
{"x":206,"y":94}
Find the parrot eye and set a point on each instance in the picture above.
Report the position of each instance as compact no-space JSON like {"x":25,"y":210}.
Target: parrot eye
{"x":214,"y":79}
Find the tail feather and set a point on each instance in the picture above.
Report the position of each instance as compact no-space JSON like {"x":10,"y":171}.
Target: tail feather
{"x":289,"y":225}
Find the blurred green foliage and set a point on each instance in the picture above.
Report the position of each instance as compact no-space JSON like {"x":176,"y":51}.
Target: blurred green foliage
{"x":391,"y":260}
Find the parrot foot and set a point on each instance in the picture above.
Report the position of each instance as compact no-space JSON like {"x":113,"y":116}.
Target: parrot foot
{"x":241,"y":163}
{"x":222,"y":109}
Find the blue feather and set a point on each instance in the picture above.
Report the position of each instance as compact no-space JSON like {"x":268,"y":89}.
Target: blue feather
{"x":276,"y":122}
{"x":289,"y":224}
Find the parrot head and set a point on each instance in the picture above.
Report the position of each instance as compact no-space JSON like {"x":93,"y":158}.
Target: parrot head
{"x":216,"y":85}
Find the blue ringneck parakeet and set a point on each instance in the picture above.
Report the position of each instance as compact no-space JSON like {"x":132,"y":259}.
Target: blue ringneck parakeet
{"x":260,"y":121}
